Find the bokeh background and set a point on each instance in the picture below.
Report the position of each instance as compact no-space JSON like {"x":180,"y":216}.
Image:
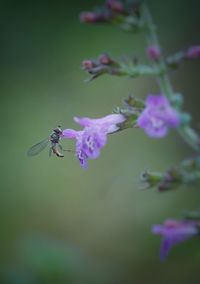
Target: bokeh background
{"x":60,"y":223}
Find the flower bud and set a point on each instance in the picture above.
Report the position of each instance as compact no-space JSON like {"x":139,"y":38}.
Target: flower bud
{"x":105,"y":59}
{"x":88,"y":64}
{"x":193,"y":52}
{"x":153,"y":52}
{"x":88,"y":17}
{"x":91,"y":17}
{"x":171,"y":179}
{"x":115,"y":5}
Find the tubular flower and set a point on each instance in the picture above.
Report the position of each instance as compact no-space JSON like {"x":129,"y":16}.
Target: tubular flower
{"x":173,"y":233}
{"x":93,"y":137}
{"x":158,"y":116}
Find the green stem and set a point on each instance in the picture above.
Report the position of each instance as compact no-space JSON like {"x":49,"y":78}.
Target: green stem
{"x":188,"y":134}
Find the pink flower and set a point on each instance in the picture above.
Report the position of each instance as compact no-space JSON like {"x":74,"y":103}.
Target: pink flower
{"x":93,"y":137}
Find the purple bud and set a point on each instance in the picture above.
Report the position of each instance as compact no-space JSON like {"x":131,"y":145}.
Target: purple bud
{"x":115,"y":5}
{"x":88,"y":64}
{"x":91,"y":17}
{"x":105,"y":59}
{"x":193,"y":52}
{"x":153,"y":52}
{"x":88,"y":17}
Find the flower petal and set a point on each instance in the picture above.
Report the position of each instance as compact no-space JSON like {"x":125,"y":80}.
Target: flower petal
{"x":158,"y":116}
{"x":70,"y":133}
{"x":165,"y":247}
{"x":109,"y":122}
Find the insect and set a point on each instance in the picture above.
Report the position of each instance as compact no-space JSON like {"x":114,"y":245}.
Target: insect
{"x":55,"y":148}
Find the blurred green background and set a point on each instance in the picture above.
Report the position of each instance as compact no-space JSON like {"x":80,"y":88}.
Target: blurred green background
{"x":63,"y":224}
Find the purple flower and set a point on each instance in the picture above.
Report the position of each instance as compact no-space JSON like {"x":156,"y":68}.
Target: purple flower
{"x":193,"y":52}
{"x":93,"y":137}
{"x":153,"y":52}
{"x":158,"y":116}
{"x":174,"y":232}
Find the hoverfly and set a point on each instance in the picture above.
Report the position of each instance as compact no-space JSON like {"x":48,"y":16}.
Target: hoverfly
{"x":55,"y":148}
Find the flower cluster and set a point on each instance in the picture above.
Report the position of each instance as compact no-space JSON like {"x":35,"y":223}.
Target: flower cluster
{"x":174,"y":60}
{"x":156,"y":116}
{"x":93,"y":137}
{"x":185,"y":174}
{"x":174,"y":232}
{"x":103,"y":65}
{"x":123,"y":13}
{"x":109,"y":11}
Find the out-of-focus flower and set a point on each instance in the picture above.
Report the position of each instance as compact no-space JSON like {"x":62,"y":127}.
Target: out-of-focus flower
{"x":90,"y":17}
{"x":125,"y":14}
{"x":93,"y":137}
{"x":115,"y":5}
{"x":102,"y":65}
{"x":105,"y":59}
{"x":193,"y":52}
{"x":153,"y":52}
{"x":88,"y":64}
{"x":158,"y":116}
{"x":172,"y":179}
{"x":173,"y":233}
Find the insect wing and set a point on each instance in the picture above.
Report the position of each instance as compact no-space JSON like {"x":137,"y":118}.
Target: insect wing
{"x":37,"y":148}
{"x":50,"y":152}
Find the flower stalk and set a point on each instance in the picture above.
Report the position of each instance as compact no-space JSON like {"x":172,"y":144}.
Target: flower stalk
{"x":188,"y":134}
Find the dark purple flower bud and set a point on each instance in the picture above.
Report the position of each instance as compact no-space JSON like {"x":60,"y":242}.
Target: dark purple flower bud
{"x":171,"y":179}
{"x":193,"y":52}
{"x":153,"y":52}
{"x":115,"y":5}
{"x":174,"y":232}
{"x":91,"y":17}
{"x":88,"y":17}
{"x":88,"y":64}
{"x":105,"y":59}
